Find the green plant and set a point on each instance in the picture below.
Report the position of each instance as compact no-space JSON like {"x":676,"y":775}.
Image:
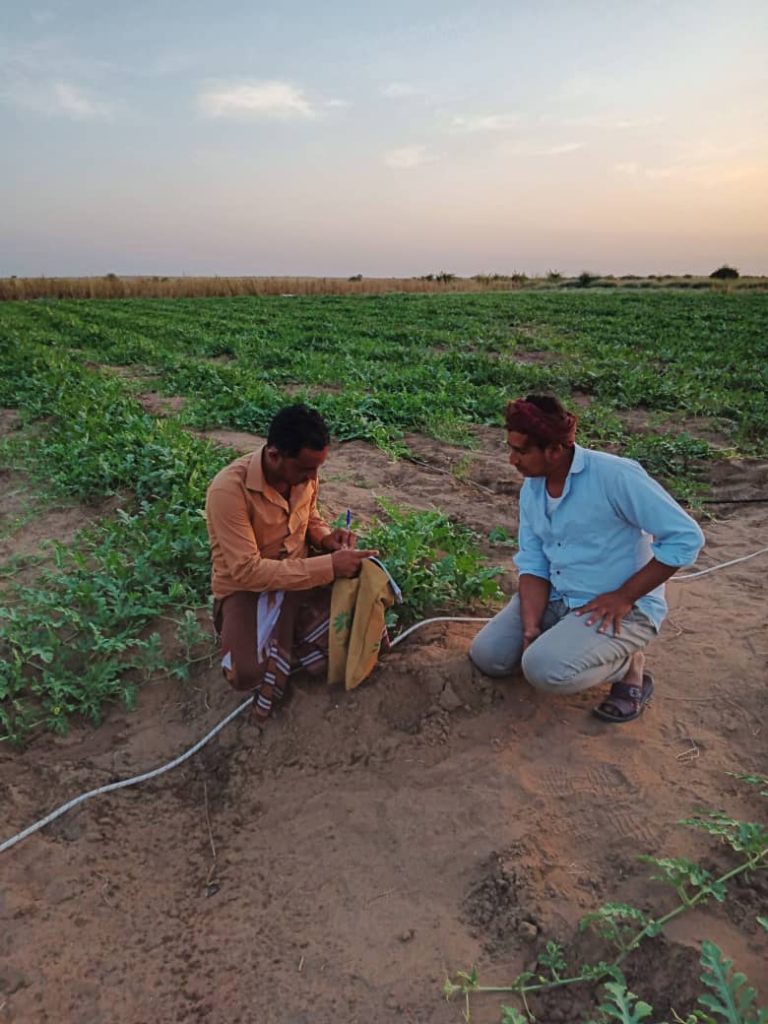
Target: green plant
{"x":501,"y":537}
{"x":378,"y":366}
{"x":617,"y":924}
{"x":622,"y":1005}
{"x":434,"y":560}
{"x":730,"y":998}
{"x":420,"y":363}
{"x":552,"y":959}
{"x":625,"y":927}
{"x":81,"y":633}
{"x":672,"y":458}
{"x":462,"y":468}
{"x":690,"y":881}
{"x":510,"y":1015}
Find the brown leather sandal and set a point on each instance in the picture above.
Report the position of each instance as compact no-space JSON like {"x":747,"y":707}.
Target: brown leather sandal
{"x":625,"y":702}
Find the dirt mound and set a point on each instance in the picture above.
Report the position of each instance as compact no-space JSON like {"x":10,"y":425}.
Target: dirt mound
{"x":501,"y":907}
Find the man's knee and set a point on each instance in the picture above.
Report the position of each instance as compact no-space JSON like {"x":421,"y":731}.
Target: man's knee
{"x":486,"y":657}
{"x":545,"y":673}
{"x":243,"y":676}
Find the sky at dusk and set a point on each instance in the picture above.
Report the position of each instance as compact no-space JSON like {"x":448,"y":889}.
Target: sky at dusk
{"x":388,"y":140}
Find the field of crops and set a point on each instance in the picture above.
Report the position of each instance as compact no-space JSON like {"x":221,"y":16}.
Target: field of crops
{"x":115,"y":415}
{"x":377,"y":368}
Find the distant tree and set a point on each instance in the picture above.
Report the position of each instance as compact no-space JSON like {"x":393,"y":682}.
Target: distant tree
{"x":554,"y":276}
{"x":585,"y":279}
{"x":445,"y":277}
{"x":355,"y":277}
{"x":725,"y":273}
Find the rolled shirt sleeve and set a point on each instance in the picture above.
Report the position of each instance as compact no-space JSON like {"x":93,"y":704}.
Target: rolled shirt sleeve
{"x":531,"y":558}
{"x":677,"y":539}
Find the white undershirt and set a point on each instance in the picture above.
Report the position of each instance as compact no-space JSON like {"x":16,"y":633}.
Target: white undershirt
{"x":552,"y":503}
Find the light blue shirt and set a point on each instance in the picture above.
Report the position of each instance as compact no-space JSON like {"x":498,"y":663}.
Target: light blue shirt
{"x":612,"y":520}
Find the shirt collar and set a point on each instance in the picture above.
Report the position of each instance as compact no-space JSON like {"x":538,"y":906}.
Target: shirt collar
{"x":256,"y":481}
{"x":579,"y":459}
{"x":254,"y":478}
{"x":578,"y":463}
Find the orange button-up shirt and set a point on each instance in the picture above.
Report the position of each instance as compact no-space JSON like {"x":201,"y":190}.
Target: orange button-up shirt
{"x":259,"y":540}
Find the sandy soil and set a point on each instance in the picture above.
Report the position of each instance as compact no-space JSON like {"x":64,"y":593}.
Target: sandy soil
{"x":334,"y":866}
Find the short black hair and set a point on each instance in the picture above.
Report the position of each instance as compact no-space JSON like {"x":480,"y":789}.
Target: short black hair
{"x":296,"y":427}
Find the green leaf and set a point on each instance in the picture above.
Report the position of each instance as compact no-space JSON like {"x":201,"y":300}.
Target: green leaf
{"x":623,"y":1005}
{"x":552,"y":959}
{"x":509,"y":1015}
{"x":732,"y":999}
{"x":619,"y":923}
{"x":683,"y":874}
{"x":500,"y":536}
{"x":761,"y":781}
{"x":602,"y":970}
{"x":450,"y":989}
{"x":462,"y":981}
{"x":742,"y":836}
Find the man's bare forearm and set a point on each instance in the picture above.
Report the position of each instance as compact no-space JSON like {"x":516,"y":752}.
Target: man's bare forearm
{"x":652,"y":575}
{"x":534,"y":597}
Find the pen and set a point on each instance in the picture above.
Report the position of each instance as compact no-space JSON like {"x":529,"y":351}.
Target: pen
{"x":349,"y":524}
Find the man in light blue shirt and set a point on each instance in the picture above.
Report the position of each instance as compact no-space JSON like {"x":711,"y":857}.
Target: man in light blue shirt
{"x":598,"y":539}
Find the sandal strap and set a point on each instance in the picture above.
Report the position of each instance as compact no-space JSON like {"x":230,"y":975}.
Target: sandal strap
{"x":626,"y":691}
{"x":625,"y":701}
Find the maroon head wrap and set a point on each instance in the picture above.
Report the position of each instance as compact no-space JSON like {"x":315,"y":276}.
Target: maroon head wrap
{"x":542,"y":427}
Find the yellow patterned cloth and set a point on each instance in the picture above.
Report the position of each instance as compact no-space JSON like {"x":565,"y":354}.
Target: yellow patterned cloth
{"x":357,"y":628}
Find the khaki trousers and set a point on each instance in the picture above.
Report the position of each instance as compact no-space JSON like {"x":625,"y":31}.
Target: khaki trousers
{"x":568,"y":656}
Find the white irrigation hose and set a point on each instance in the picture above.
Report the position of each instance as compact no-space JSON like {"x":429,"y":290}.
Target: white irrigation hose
{"x":722,"y":565}
{"x":185,"y":756}
{"x":125,"y":782}
{"x":233,"y":714}
{"x":440,"y":618}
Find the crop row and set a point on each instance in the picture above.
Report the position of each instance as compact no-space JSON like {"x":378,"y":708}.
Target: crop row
{"x":84,"y":631}
{"x":381,"y":366}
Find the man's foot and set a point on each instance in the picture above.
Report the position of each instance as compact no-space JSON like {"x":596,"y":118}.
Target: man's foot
{"x":630,"y":695}
{"x":634,"y":674}
{"x":258,"y":716}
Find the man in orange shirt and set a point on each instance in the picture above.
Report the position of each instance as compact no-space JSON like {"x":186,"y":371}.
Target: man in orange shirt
{"x":271,"y":600}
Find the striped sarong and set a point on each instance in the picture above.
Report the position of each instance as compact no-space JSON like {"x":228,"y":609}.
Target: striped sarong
{"x":297,"y":642}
